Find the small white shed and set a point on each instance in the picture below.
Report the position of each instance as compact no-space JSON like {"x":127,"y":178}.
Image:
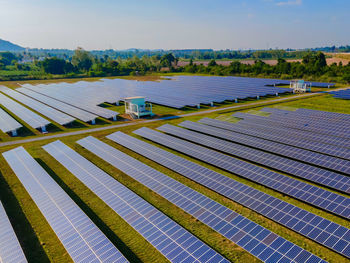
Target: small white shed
{"x":299,"y":86}
{"x":137,"y":107}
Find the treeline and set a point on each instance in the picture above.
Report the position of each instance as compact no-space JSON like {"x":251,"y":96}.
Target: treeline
{"x":83,"y":63}
{"x":333,"y":49}
{"x":313,"y":67}
{"x":185,"y":54}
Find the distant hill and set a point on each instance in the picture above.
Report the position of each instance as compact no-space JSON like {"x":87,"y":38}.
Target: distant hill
{"x":8,"y":46}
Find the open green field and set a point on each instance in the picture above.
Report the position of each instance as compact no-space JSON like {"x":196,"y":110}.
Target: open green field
{"x":39,"y":241}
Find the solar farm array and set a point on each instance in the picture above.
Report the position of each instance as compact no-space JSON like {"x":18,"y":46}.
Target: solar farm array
{"x":63,"y":103}
{"x":341,"y":94}
{"x":253,"y":148}
{"x":176,"y":92}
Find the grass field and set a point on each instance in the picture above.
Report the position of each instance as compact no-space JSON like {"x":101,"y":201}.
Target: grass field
{"x":41,"y":245}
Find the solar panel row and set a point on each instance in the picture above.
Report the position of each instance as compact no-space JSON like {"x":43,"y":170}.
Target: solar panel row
{"x":310,"y":225}
{"x":173,"y":241}
{"x":341,"y":94}
{"x":45,"y":110}
{"x":311,"y":136}
{"x":32,"y":119}
{"x":300,"y":190}
{"x":234,"y":147}
{"x":178,"y":92}
{"x":74,"y":100}
{"x":81,"y":238}
{"x":338,"y":126}
{"x":281,"y":137}
{"x":313,"y":116}
{"x":10,"y":249}
{"x":287,"y":123}
{"x":8,"y":124}
{"x":324,"y":114}
{"x":223,"y":220}
{"x":244,"y":232}
{"x":70,"y":110}
{"x":314,"y":158}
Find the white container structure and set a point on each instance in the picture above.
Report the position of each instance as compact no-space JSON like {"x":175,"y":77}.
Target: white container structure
{"x":137,"y":107}
{"x":299,"y":86}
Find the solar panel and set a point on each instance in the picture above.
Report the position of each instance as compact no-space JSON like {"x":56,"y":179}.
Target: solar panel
{"x":32,"y":119}
{"x":178,"y":92}
{"x":313,"y":116}
{"x":7,"y":123}
{"x":341,"y":94}
{"x":169,"y":238}
{"x":314,"y":158}
{"x":204,"y":209}
{"x":296,"y":119}
{"x":76,"y":101}
{"x":45,"y":110}
{"x":294,"y":133}
{"x":234,"y":147}
{"x":288,"y":123}
{"x":277,"y":135}
{"x":324,"y":115}
{"x":70,"y":110}
{"x":305,"y":192}
{"x":292,"y":217}
{"x":81,"y":238}
{"x":10,"y":249}
{"x":320,"y":113}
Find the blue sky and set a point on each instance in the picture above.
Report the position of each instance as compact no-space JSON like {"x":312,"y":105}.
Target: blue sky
{"x":176,"y":24}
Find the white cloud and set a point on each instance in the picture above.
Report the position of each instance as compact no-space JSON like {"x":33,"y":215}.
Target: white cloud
{"x":289,"y":2}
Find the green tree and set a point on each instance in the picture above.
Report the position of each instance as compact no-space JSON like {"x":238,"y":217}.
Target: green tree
{"x":54,"y":65}
{"x":315,"y":63}
{"x":212,"y":63}
{"x":82,"y":59}
{"x":167,"y":60}
{"x":282,"y":66}
{"x":8,"y":58}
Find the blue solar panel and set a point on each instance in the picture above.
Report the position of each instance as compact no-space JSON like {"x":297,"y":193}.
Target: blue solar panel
{"x":312,"y":116}
{"x":299,"y":220}
{"x":297,"y":139}
{"x":341,"y":94}
{"x":234,"y":147}
{"x":317,"y":159}
{"x":225,"y":221}
{"x":81,"y":238}
{"x":270,"y":127}
{"x":298,"y":119}
{"x":288,"y":123}
{"x":177,"y":92}
{"x":10,"y":249}
{"x":336,"y":203}
{"x":169,"y":238}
